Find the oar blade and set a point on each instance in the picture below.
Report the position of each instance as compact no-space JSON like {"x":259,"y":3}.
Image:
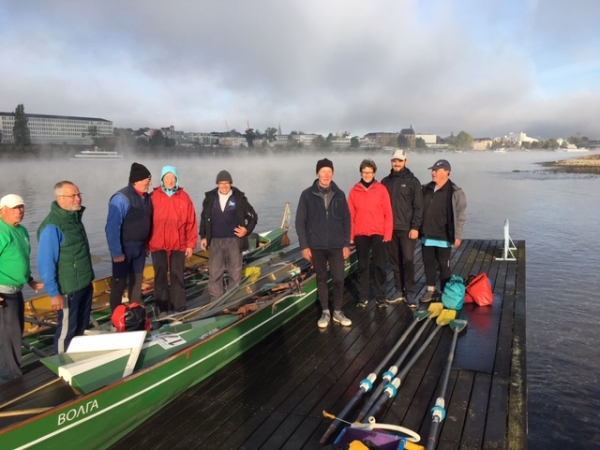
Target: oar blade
{"x":445,"y":317}
{"x":435,"y":309}
{"x":419,"y":315}
{"x":458,"y":325}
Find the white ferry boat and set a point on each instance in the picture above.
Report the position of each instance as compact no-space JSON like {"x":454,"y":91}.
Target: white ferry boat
{"x":97,"y":153}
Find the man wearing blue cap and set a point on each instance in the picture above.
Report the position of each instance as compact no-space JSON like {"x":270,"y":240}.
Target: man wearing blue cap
{"x":443,"y":222}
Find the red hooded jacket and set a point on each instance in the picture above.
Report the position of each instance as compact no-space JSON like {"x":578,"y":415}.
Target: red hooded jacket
{"x":370,"y":211}
{"x":174,"y":226}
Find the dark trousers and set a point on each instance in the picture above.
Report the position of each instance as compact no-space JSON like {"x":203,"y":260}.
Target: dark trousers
{"x":402,"y":259}
{"x":132,"y":269}
{"x":365,"y":246}
{"x":74,"y":318}
{"x":335,"y":258}
{"x":11,"y":330}
{"x":169,"y":265}
{"x":434,"y":257}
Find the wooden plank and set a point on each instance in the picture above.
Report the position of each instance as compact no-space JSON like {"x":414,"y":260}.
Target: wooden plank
{"x":272,"y":397}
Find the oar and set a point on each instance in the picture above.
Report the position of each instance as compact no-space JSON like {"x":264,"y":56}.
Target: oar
{"x":24,"y":412}
{"x":367,"y":383}
{"x":32,"y":349}
{"x":391,"y":389}
{"x":28,"y":393}
{"x":434,"y":311}
{"x":438,"y":412}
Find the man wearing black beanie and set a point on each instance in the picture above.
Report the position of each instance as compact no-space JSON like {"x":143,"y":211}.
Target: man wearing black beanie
{"x":323,"y":227}
{"x":127,"y":232}
{"x":226,"y":220}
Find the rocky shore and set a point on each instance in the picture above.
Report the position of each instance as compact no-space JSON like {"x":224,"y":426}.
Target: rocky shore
{"x":585,"y":164}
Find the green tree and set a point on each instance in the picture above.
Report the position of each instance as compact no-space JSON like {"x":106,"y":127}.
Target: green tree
{"x":420,"y":142}
{"x":271,"y":133}
{"x":464,"y":140}
{"x":250,"y":136}
{"x":0,"y":137}
{"x":354,"y":142}
{"x":21,"y":134}
{"x":319,"y":141}
{"x":157,"y":139}
{"x":401,"y":141}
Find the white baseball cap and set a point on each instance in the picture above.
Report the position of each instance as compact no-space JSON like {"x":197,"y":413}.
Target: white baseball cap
{"x":399,"y":154}
{"x":11,"y":201}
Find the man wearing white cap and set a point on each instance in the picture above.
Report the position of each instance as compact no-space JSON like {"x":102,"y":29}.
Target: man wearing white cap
{"x":407,"y":206}
{"x":15,"y":272}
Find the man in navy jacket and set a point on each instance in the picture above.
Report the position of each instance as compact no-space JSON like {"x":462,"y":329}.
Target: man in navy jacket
{"x":323,"y":227}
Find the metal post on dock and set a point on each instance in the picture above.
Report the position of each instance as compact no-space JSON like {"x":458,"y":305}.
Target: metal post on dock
{"x":509,"y":246}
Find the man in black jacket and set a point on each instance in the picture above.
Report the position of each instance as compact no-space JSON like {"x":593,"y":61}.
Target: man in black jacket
{"x":407,"y":206}
{"x":323,"y":227}
{"x":226,"y":221}
{"x":443,"y":223}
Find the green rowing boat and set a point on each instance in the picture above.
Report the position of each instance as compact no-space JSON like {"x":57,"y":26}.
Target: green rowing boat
{"x":88,"y":413}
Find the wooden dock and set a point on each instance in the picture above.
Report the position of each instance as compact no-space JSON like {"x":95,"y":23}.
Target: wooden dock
{"x":273,"y":396}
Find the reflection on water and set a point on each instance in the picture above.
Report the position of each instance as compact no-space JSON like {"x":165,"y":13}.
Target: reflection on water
{"x":556,"y":214}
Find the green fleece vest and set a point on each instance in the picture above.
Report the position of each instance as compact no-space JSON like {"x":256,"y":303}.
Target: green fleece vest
{"x":74,"y":261}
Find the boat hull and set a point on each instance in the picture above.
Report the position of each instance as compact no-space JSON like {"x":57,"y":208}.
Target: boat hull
{"x":102,"y":417}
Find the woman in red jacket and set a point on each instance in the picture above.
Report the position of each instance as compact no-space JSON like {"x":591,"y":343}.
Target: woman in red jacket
{"x":372,"y":225}
{"x":173,"y":239}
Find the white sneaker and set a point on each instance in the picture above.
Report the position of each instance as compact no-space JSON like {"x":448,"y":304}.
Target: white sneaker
{"x":339,"y":317}
{"x":324,"y":320}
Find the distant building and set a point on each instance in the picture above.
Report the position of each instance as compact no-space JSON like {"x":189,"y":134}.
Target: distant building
{"x":482,"y":143}
{"x":409,"y":135}
{"x":50,"y":129}
{"x":429,"y":139}
{"x":381,"y":139}
{"x":522,"y":137}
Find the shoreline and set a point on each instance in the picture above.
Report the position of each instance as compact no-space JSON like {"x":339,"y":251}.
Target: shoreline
{"x":589,"y":164}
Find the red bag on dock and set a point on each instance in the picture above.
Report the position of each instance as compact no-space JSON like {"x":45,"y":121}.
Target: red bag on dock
{"x":480,"y":290}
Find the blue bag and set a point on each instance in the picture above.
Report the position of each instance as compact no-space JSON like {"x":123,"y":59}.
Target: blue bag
{"x":453,"y":296}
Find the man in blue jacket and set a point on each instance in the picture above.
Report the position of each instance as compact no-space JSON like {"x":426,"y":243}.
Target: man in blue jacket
{"x":323,"y":227}
{"x":127,"y":230}
{"x":65,"y":264}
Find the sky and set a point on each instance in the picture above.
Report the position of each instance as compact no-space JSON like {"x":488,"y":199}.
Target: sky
{"x":489,"y":68}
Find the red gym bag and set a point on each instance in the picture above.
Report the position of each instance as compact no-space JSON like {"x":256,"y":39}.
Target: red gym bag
{"x":479,"y":289}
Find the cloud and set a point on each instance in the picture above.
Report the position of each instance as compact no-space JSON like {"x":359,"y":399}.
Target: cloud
{"x":314,"y":66}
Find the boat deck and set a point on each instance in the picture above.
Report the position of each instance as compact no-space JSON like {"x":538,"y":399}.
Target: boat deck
{"x":273,"y":396}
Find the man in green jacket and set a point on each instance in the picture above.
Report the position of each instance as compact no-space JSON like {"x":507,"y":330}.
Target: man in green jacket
{"x":65,"y":264}
{"x":14,"y":274}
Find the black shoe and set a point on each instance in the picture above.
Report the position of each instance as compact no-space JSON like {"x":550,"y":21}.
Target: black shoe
{"x":429,"y":296}
{"x":411,"y":301}
{"x":395,"y":297}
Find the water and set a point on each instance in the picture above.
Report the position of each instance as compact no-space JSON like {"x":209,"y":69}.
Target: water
{"x":557,"y":216}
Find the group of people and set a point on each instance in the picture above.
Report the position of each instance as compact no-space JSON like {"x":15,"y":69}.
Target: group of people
{"x":382,"y":220}
{"x":161,"y":224}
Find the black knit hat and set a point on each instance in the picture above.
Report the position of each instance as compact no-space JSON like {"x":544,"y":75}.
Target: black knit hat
{"x":324,"y":163}
{"x":223,"y":175}
{"x":138,"y":172}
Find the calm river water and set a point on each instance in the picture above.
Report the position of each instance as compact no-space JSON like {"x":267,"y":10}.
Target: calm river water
{"x":557,"y":215}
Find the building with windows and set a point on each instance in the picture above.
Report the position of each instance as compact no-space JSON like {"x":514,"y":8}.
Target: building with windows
{"x":50,"y":129}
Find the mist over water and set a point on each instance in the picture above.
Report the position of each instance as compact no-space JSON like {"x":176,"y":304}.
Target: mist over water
{"x":556,"y":214}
